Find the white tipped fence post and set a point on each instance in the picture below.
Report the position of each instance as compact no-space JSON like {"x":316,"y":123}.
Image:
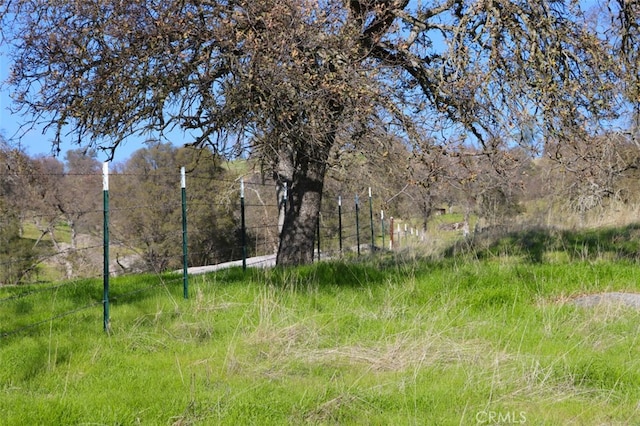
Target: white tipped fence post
{"x":382,"y":227}
{"x":243,"y":227}
{"x":105,"y":235}
{"x":185,"y":252}
{"x":340,"y":222}
{"x":373,"y":241}
{"x":358,"y":224}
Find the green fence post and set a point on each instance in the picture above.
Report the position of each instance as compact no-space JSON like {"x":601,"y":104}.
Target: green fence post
{"x":243,"y":226}
{"x":340,"y":222}
{"x":105,"y":278}
{"x":373,"y":241}
{"x":318,"y":234}
{"x":358,"y":224}
{"x":382,"y":226}
{"x":185,"y":251}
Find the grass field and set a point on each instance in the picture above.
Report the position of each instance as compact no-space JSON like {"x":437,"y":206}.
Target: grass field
{"x":482,"y":337}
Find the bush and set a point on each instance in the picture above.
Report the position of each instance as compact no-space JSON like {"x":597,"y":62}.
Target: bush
{"x":18,"y":257}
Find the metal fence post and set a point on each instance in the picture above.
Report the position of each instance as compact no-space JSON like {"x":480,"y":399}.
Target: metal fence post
{"x":382,"y":227}
{"x":243,"y":227}
{"x":391,"y":233}
{"x":357,"y":224}
{"x":105,"y":234}
{"x":318,"y":233}
{"x":373,"y":241}
{"x":185,"y":253}
{"x":340,"y":223}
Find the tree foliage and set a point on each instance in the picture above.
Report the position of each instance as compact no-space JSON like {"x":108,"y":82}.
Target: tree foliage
{"x":300,"y":83}
{"x":18,"y":256}
{"x":146,"y":208}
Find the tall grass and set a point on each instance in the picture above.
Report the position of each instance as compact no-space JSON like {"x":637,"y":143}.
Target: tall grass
{"x":462,"y":340}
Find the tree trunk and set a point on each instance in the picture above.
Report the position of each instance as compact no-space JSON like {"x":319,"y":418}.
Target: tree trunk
{"x":74,"y":235}
{"x":302,"y":206}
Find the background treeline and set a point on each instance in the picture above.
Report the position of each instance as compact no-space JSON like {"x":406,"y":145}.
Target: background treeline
{"x":51,"y":210}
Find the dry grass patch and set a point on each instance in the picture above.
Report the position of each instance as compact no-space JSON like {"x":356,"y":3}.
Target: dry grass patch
{"x":402,"y":354}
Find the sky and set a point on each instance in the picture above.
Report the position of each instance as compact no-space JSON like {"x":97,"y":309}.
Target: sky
{"x":37,"y":143}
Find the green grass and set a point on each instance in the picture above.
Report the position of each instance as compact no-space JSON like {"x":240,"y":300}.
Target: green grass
{"x":46,"y":271}
{"x":381,"y":341}
{"x":62,"y":232}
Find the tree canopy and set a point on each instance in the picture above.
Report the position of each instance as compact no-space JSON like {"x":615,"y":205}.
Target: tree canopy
{"x":297,"y":83}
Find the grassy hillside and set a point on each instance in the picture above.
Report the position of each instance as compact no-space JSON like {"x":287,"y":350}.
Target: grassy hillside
{"x":467,"y":339}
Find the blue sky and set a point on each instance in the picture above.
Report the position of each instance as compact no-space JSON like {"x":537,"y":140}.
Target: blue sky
{"x":34,"y":142}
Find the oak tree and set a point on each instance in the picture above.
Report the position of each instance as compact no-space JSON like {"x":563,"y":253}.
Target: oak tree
{"x":19,"y":258}
{"x":297,"y":82}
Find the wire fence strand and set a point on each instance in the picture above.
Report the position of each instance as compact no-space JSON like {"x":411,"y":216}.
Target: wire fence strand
{"x":140,"y":243}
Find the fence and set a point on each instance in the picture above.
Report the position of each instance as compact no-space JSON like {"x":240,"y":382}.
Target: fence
{"x":345,"y":225}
